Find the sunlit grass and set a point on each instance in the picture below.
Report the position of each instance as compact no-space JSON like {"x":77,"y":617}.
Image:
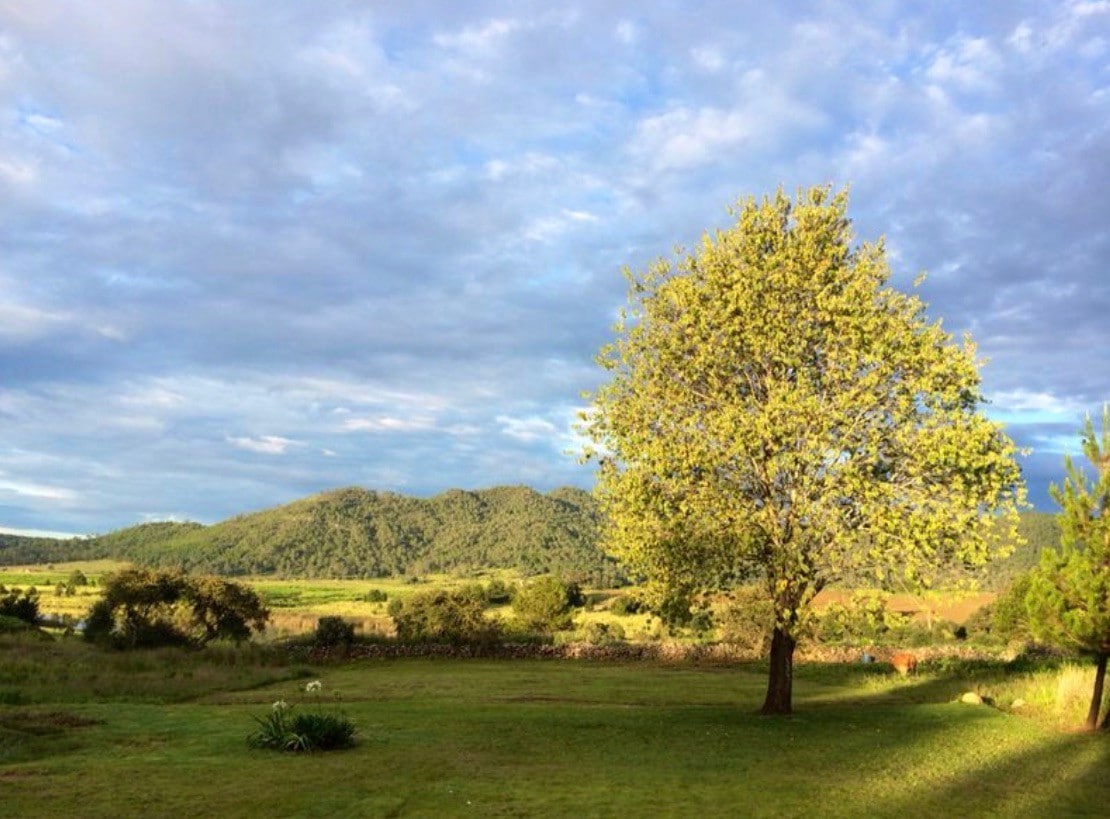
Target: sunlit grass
{"x":536,"y":738}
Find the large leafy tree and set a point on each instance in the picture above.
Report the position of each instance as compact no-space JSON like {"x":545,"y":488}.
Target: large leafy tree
{"x":1068,"y":595}
{"x":775,"y":410}
{"x":149,"y":607}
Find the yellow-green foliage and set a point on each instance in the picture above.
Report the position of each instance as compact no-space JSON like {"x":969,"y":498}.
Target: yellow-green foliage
{"x":775,"y":409}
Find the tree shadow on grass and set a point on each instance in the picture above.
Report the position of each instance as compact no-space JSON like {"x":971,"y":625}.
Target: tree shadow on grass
{"x":841,"y":684}
{"x":1046,"y":774}
{"x":1065,"y":775}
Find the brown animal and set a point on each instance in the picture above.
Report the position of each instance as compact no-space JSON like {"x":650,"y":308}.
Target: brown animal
{"x":904,"y":663}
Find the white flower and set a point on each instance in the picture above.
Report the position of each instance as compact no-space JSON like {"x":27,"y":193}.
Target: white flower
{"x":280,"y":705}
{"x":315,"y":685}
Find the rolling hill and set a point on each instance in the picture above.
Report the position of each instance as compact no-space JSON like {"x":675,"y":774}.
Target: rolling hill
{"x":357,"y":532}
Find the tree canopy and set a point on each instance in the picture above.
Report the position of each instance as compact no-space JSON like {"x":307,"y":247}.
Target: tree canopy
{"x":776,"y":410}
{"x":1068,"y":595}
{"x":143,"y":607}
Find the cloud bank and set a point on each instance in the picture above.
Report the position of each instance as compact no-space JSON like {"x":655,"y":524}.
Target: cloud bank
{"x":256,"y":250}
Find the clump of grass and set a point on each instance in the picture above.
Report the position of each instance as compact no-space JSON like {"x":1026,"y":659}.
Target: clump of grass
{"x":286,"y":728}
{"x":1073,"y":690}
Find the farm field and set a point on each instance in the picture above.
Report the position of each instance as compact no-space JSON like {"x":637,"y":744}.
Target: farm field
{"x":89,"y":733}
{"x":296,"y":604}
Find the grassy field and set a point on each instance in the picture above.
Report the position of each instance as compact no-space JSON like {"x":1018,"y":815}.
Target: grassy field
{"x":296,"y":604}
{"x":89,"y":733}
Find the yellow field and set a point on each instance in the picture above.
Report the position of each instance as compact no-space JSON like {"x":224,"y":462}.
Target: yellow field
{"x":296,"y":605}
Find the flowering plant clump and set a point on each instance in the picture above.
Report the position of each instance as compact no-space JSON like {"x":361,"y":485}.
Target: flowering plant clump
{"x":320,"y":729}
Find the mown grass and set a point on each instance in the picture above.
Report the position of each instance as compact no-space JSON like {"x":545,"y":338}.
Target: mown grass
{"x":528,"y":738}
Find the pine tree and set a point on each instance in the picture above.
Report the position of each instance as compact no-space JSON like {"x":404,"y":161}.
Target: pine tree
{"x":1069,"y":593}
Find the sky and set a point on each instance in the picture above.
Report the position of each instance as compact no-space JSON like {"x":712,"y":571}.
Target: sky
{"x":250,"y":251}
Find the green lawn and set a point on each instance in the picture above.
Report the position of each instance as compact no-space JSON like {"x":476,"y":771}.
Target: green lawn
{"x":518,"y":738}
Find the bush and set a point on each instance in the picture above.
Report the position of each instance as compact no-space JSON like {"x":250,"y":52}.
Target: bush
{"x":376,"y":596}
{"x":747,"y":620}
{"x":603,"y":634}
{"x":627,"y":604}
{"x":332,"y":632}
{"x":1009,"y":618}
{"x":498,"y":592}
{"x":544,"y":605}
{"x":864,"y":617}
{"x":77,"y":578}
{"x":440,"y":616}
{"x":21,"y":605}
{"x":286,"y":728}
{"x":12,"y":625}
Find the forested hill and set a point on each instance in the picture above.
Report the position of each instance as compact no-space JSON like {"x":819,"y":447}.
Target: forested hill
{"x":359,"y":533}
{"x":16,"y":550}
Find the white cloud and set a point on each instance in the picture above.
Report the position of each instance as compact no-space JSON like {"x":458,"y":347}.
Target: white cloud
{"x":548,"y":228}
{"x":529,"y":429}
{"x":19,"y":172}
{"x":22,"y":322}
{"x":265,"y":444}
{"x":37,"y":491}
{"x":8,"y":530}
{"x":968,"y":64}
{"x":477,"y":39}
{"x":388,"y":424}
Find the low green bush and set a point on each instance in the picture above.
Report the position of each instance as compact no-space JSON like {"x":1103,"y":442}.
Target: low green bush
{"x":441,"y":616}
{"x":498,"y":592}
{"x":627,"y":604}
{"x":603,"y":634}
{"x":23,"y":605}
{"x":332,"y":632}
{"x":863,"y":618}
{"x":376,"y":596}
{"x":545,"y":604}
{"x":747,"y":620}
{"x":311,"y":726}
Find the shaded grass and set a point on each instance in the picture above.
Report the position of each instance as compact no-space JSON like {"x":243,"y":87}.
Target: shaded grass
{"x":71,"y":671}
{"x":536,"y":738}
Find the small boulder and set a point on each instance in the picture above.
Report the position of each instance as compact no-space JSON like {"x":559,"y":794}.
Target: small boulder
{"x":971,"y":698}
{"x":1017,"y":704}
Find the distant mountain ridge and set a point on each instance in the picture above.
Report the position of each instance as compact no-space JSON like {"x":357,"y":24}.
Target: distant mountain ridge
{"x":356,"y":532}
{"x":362,"y":533}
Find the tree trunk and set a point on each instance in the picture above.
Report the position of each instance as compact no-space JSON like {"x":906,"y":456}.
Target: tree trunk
{"x":780,"y":683}
{"x":1096,"y":695}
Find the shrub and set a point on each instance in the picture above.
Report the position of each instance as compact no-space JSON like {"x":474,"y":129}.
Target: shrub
{"x":864,"y":617}
{"x":747,"y":620}
{"x":440,"y":616}
{"x":11,"y":625}
{"x":602,"y":634}
{"x":1009,"y":618}
{"x":77,"y":578}
{"x":498,"y":592}
{"x":627,"y":604}
{"x":376,"y":596}
{"x":21,"y":605}
{"x":287,"y":728}
{"x":544,"y":605}
{"x":701,"y":622}
{"x":332,"y":632}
